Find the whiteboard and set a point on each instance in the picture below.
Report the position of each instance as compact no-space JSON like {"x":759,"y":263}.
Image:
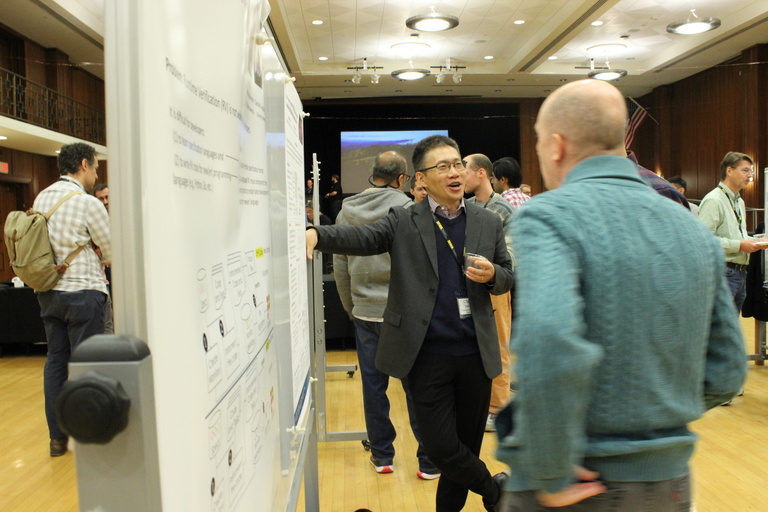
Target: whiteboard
{"x":195,"y":255}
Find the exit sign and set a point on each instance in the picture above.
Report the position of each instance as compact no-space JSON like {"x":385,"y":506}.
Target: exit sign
{"x":4,"y":168}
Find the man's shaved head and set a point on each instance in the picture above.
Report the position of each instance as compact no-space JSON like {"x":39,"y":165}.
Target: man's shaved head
{"x":590,"y":113}
{"x":579,"y":120}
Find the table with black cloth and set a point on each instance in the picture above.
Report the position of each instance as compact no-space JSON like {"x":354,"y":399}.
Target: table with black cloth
{"x":20,"y":321}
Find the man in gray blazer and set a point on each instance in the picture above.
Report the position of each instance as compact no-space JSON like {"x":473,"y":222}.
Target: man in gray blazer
{"x":439,"y":331}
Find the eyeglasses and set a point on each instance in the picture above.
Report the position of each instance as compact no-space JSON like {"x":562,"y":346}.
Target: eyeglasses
{"x":444,"y":167}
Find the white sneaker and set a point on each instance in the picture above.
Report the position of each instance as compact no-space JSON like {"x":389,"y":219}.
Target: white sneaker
{"x":427,"y":476}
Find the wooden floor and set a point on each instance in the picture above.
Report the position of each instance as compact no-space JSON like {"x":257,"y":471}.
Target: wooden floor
{"x":730,"y":467}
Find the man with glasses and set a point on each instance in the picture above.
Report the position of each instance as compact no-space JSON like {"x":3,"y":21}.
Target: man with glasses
{"x":363,"y":285}
{"x":438,"y":331}
{"x":723,"y":212}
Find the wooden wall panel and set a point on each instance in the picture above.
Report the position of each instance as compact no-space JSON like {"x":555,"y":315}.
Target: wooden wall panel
{"x":6,"y":52}
{"x":11,"y":50}
{"x":29,"y":174}
{"x":103,"y":172}
{"x":703,"y":117}
{"x":58,"y":76}
{"x":36,"y":96}
{"x":87,"y":89}
{"x":529,"y":161}
{"x":8,"y":202}
{"x":34,"y":65}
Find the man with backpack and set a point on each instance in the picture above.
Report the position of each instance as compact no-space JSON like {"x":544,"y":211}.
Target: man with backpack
{"x":73,"y":310}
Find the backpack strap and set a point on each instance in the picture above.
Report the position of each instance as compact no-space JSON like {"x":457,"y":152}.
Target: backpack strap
{"x":61,"y":201}
{"x":65,"y":264}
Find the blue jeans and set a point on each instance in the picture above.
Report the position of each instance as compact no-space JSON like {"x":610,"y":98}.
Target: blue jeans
{"x":665,"y":496}
{"x":68,"y":318}
{"x":737,"y":282}
{"x":381,"y":432}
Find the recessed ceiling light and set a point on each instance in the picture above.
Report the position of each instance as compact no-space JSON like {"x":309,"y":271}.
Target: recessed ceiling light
{"x":57,"y":151}
{"x":597,"y":23}
{"x":552,"y":57}
{"x":317,"y":22}
{"x":519,"y":22}
{"x":488,"y":57}
{"x":606,"y":48}
{"x":322,"y":58}
{"x":3,"y":137}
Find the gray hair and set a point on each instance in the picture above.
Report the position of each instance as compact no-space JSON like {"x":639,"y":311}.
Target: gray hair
{"x":730,"y":160}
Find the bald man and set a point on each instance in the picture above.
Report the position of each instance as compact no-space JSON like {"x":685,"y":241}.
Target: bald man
{"x":616,"y":353}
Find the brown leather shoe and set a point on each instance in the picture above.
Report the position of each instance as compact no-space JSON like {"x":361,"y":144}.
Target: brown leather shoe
{"x":58,"y":447}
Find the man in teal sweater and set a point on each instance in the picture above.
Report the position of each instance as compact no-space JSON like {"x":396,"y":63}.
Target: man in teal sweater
{"x":625,"y":329}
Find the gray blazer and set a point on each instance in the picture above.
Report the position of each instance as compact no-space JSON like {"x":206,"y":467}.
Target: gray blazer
{"x":409,"y":237}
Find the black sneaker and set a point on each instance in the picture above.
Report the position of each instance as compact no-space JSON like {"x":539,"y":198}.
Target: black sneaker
{"x":58,"y":447}
{"x":500,"y":479}
{"x":382,"y":466}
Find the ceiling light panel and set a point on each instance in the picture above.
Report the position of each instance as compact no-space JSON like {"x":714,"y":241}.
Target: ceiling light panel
{"x":609,"y":49}
{"x":410,"y":48}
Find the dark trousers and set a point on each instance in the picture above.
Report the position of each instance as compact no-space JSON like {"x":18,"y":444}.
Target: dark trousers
{"x":381,"y":432}
{"x":451,"y":395}
{"x":68,"y":318}
{"x":665,"y":496}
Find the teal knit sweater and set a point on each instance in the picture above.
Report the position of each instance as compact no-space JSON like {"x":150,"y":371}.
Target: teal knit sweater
{"x":625,"y":331}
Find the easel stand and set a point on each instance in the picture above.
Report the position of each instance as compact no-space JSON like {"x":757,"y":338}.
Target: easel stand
{"x":317,"y":320}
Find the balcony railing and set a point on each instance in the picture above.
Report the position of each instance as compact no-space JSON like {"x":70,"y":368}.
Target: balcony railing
{"x":36,"y":104}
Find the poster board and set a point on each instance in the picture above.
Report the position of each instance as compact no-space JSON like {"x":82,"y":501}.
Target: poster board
{"x":194,"y":268}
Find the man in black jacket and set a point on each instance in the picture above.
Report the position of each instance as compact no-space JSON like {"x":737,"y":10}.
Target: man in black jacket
{"x":439,"y":331}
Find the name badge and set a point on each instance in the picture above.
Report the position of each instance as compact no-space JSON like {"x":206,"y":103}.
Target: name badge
{"x":464,"y":310}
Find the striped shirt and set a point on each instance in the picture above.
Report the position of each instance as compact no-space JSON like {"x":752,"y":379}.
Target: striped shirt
{"x":81,"y":220}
